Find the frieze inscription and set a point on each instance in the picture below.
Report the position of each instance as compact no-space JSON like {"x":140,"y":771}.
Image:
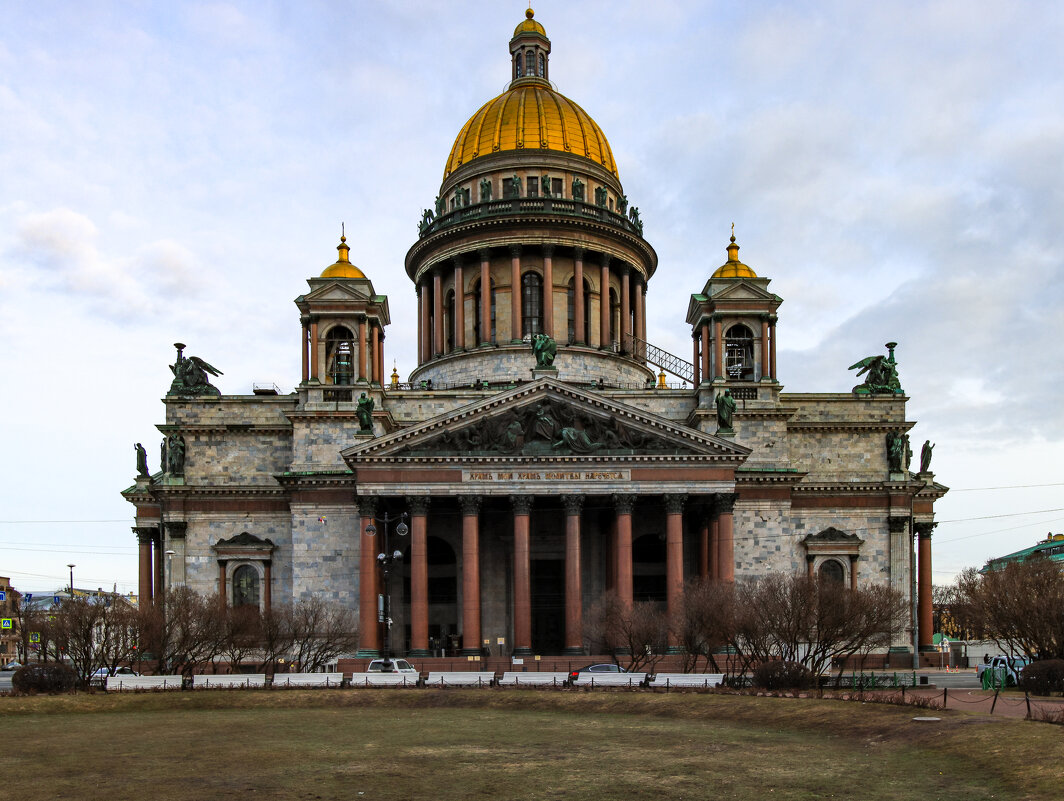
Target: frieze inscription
{"x":545,"y":475}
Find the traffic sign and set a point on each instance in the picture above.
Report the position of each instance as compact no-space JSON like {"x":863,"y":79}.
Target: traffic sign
{"x":3,"y":595}
{"x":7,"y":623}
{"x":35,"y":636}
{"x":56,"y":599}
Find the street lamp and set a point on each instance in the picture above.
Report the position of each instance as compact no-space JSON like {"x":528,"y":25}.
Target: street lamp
{"x":72,"y":581}
{"x":386,"y":558}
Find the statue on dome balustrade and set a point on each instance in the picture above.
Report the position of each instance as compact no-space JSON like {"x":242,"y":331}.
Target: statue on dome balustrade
{"x":545,"y":349}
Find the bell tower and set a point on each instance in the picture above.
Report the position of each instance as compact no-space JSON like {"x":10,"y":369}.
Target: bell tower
{"x":342,"y":320}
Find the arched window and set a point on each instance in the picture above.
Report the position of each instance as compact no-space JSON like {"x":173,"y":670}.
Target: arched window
{"x":245,"y":586}
{"x":531,"y":303}
{"x":739,"y":353}
{"x":570,"y":303}
{"x":477,"y":305}
{"x":542,"y":71}
{"x":530,"y":63}
{"x":832,"y":570}
{"x":449,"y":320}
{"x":340,"y":355}
{"x":517,"y":66}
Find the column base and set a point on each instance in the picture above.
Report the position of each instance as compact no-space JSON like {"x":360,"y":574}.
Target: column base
{"x":675,"y":649}
{"x":367,"y":653}
{"x":469,"y":652}
{"x":420,"y":653}
{"x":522,"y":651}
{"x":572,"y":650}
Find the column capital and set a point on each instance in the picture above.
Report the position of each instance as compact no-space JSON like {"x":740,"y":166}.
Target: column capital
{"x":897,"y":524}
{"x":515,"y":251}
{"x":484,"y":253}
{"x":548,"y":251}
{"x":724,"y":503}
{"x":367,"y":507}
{"x":418,"y":504}
{"x":145,"y":533}
{"x":175,"y":529}
{"x":470,"y":504}
{"x":625,"y":268}
{"x":604,"y":260}
{"x":578,"y":253}
{"x":923,"y":530}
{"x":573,"y":504}
{"x":674,"y":504}
{"x":522,"y":504}
{"x":623,"y":504}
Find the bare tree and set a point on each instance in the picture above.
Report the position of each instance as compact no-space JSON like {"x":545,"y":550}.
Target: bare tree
{"x":92,"y":633}
{"x":183,"y":632}
{"x":637,"y":635}
{"x":1020,"y":607}
{"x":704,"y":624}
{"x":241,"y":633}
{"x":276,"y":637}
{"x":320,"y":633}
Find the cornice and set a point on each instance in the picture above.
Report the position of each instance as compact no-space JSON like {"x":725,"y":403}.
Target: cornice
{"x":847,"y":425}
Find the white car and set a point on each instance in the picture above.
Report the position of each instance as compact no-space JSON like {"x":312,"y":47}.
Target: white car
{"x":99,"y":678}
{"x":390,"y":666}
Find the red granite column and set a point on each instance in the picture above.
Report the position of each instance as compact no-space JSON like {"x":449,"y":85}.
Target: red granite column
{"x":304,"y":351}
{"x":765,"y":360}
{"x":470,"y":575}
{"x":522,"y":505}
{"x":924,"y":608}
{"x":718,"y":350}
{"x":144,"y":584}
{"x":314,"y":350}
{"x":623,"y":505}
{"x":424,"y":323}
{"x":578,"y":297}
{"x":727,"y":537}
{"x":673,"y":559}
{"x":515,"y":294}
{"x":772,"y":346}
{"x":640,"y":319}
{"x":419,"y":576}
{"x":437,"y":313}
{"x":714,"y":545}
{"x":574,"y":625}
{"x":696,"y":360}
{"x":376,"y":374}
{"x":485,"y":296}
{"x":369,"y":627}
{"x":626,"y":313}
{"x":363,"y":335}
{"x":158,"y":582}
{"x":459,"y":306}
{"x":548,"y":291}
{"x":707,"y":368}
{"x":604,"y":303}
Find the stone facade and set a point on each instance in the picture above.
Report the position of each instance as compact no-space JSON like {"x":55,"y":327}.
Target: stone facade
{"x":528,"y":493}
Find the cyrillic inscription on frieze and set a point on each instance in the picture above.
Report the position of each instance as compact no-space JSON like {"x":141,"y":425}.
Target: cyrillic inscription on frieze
{"x":545,"y":475}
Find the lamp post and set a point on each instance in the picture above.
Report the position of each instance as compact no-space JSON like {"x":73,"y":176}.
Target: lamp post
{"x":387,"y":558}
{"x":72,"y":581}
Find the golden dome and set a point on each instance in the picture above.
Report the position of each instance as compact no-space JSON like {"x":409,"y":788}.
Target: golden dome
{"x":733,"y":268}
{"x":528,"y":117}
{"x":343,"y":268}
{"x":530,"y":25}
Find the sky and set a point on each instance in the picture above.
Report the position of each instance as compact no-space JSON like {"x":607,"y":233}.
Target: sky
{"x":176,"y":171}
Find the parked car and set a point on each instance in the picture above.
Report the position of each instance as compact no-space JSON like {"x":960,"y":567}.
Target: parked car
{"x":390,"y":666}
{"x":1012,"y":665}
{"x":99,"y":678}
{"x":604,"y":667}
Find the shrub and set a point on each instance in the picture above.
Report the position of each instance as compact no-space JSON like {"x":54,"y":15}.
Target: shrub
{"x":49,"y":677}
{"x":1043,"y":677}
{"x":778,"y":675}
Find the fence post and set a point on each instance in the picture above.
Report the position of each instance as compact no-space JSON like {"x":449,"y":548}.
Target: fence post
{"x":992,"y":705}
{"x":1027,"y":697}
{"x":944,"y":697}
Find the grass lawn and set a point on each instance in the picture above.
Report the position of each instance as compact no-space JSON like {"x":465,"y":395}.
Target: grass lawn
{"x":511,"y":744}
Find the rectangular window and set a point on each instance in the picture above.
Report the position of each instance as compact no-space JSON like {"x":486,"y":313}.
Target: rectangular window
{"x":510,"y":188}
{"x":533,"y":187}
{"x":556,"y":187}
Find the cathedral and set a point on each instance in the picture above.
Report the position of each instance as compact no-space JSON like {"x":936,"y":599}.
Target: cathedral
{"x":542,"y":452}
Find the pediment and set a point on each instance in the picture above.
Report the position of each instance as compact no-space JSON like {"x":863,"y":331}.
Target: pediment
{"x":743,"y":290}
{"x":333,"y":291}
{"x":544,"y":420}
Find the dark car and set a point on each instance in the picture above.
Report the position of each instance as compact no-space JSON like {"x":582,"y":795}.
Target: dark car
{"x":604,"y":667}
